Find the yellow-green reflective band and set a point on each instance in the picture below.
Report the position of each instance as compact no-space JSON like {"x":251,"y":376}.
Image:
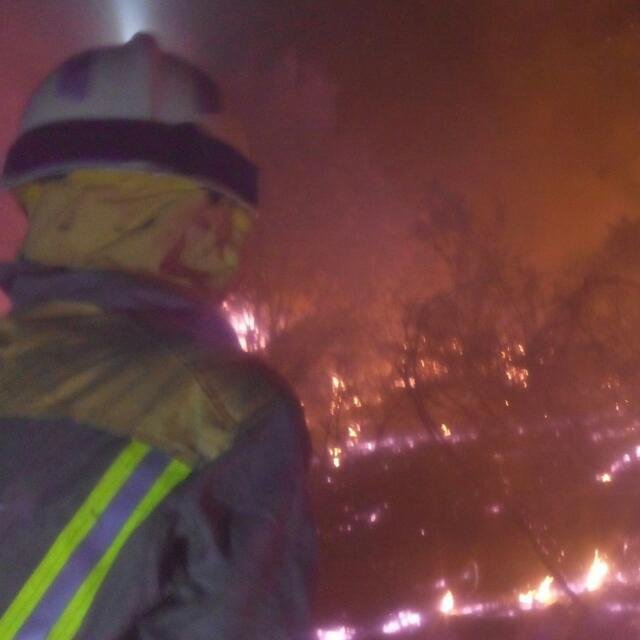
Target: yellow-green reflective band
{"x":71,"y":536}
{"x":71,"y":619}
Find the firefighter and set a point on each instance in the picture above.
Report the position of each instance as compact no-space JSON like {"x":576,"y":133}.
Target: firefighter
{"x":152,"y":475}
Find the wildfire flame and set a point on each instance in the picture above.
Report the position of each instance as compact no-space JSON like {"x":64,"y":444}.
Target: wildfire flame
{"x":243,"y":320}
{"x":542,"y":596}
{"x":526,"y":599}
{"x":353,"y":432}
{"x":337,"y":383}
{"x":597,"y":573}
{"x":447,"y":603}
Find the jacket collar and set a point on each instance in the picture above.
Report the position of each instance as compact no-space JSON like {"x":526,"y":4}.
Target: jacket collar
{"x":30,"y":285}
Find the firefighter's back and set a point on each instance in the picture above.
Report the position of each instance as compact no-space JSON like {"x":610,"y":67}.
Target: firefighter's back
{"x":102,"y":421}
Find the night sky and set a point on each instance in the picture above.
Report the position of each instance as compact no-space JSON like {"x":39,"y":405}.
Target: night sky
{"x":528,"y":107}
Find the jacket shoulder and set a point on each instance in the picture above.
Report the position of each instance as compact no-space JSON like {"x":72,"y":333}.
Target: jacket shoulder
{"x":109,"y":374}
{"x":244,"y":387}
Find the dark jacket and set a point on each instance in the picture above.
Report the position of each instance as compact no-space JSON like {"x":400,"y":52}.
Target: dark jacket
{"x":95,"y":367}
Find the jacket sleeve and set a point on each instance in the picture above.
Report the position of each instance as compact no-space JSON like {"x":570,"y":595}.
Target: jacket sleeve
{"x":241,"y":559}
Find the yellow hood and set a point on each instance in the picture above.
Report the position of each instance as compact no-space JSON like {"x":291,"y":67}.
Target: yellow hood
{"x":151,"y":224}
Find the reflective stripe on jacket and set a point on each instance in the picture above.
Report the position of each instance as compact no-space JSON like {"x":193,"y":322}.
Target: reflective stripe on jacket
{"x":152,"y":477}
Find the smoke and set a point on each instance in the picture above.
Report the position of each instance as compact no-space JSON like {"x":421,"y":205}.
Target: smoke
{"x":528,"y":107}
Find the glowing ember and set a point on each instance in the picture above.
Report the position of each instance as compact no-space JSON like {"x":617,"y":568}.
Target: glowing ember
{"x":341,"y":633}
{"x":336,"y":456}
{"x":337,"y":383}
{"x":597,"y":573}
{"x":516,"y":375}
{"x":355,"y":446}
{"x":447,"y":603}
{"x":353,"y":432}
{"x":407,"y":621}
{"x":338,"y":388}
{"x":621,"y":463}
{"x":446,"y":432}
{"x":403,"y":620}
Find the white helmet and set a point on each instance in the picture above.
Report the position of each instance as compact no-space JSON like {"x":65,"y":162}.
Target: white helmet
{"x":131,"y":106}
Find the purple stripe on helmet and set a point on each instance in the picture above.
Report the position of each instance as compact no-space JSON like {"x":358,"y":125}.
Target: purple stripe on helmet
{"x":207,"y":93}
{"x":73,"y":81}
{"x":92,"y":548}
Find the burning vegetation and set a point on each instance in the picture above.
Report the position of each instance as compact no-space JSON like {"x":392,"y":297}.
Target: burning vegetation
{"x":508,"y":393}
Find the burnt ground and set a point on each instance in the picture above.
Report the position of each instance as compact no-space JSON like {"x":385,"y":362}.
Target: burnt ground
{"x":392,"y":526}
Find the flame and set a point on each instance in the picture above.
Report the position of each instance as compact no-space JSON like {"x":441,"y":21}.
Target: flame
{"x":526,"y":599}
{"x":243,"y":320}
{"x":446,"y":432}
{"x":597,"y":574}
{"x":515,"y":374}
{"x":337,"y":383}
{"x":338,"y":388}
{"x":447,"y":603}
{"x":532,"y":600}
{"x":543,"y":595}
{"x":353,"y":431}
